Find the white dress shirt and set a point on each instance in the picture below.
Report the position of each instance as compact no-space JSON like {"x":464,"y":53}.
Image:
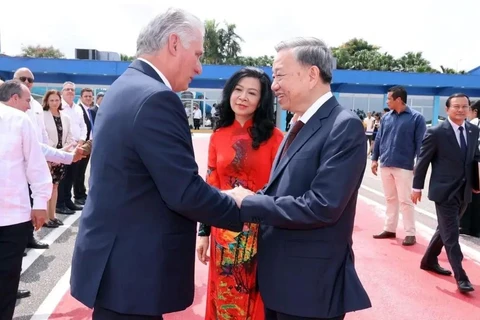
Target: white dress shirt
{"x":21,"y":163}
{"x":314,"y":107}
{"x":164,"y":79}
{"x":77,"y":123}
{"x":457,"y":132}
{"x":89,"y":115}
{"x":35,"y":113}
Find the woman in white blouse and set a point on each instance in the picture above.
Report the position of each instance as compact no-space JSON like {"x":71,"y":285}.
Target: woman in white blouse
{"x":59,"y":134}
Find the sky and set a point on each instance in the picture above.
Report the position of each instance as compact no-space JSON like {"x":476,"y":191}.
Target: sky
{"x":443,"y":30}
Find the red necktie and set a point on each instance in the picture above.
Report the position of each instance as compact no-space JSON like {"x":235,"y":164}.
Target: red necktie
{"x":293,"y":133}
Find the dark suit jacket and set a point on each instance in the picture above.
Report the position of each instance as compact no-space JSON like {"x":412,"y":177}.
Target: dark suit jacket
{"x":307,"y":212}
{"x":93,"y":112}
{"x":86,"y":118}
{"x":135,"y":248}
{"x":450,"y":172}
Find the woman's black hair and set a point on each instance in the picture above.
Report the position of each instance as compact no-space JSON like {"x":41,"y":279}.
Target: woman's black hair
{"x":263,"y":123}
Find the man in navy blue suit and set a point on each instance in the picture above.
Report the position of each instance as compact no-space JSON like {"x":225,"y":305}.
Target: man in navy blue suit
{"x":307,"y":209}
{"x":135,"y":249}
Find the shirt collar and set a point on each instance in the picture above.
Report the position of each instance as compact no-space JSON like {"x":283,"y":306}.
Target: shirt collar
{"x":314,"y":107}
{"x":164,"y":79}
{"x":456,"y":126}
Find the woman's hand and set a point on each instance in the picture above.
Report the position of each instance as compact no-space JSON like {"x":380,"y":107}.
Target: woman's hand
{"x":202,"y":249}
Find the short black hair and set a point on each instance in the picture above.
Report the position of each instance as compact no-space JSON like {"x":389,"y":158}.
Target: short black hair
{"x":456,"y":95}
{"x":476,"y":106}
{"x":398,"y":92}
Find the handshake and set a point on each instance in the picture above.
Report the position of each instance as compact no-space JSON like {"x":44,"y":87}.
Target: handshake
{"x":238,"y":194}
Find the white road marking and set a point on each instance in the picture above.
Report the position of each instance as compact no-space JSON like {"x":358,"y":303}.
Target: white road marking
{"x":53,"y":299}
{"x":34,"y":254}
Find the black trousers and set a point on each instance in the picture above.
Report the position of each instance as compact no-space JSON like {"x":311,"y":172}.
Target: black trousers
{"x":74,"y":178}
{"x":447,"y":234}
{"x":13,"y":242}
{"x":100,"y":313}
{"x":79,"y":189}
{"x":470,"y":222}
{"x":31,"y":238}
{"x":196,"y":124}
{"x":274,"y":315}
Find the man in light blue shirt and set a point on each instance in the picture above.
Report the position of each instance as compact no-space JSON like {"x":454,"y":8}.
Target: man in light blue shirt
{"x":397,"y":144}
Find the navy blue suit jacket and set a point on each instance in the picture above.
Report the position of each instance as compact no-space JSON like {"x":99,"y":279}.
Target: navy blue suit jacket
{"x":307,"y":212}
{"x":451,"y":172}
{"x":135,"y":248}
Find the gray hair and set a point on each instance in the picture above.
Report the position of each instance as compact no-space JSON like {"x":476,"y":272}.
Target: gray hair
{"x":66,"y":83}
{"x":10,"y":88}
{"x":154,"y":36}
{"x":311,"y":52}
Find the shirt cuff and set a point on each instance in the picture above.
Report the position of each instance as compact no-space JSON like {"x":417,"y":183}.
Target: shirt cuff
{"x":39,"y":204}
{"x":68,"y":157}
{"x":417,"y":190}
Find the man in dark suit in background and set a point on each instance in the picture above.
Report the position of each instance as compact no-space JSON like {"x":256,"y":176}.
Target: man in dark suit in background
{"x":135,"y":249}
{"x":307,"y":209}
{"x":452,"y":149}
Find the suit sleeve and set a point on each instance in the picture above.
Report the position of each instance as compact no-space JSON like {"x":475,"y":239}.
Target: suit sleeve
{"x":164,"y":143}
{"x":213,"y":179}
{"x":338,"y":177}
{"x":427,"y":152}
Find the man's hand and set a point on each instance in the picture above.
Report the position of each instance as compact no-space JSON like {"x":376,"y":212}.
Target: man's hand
{"x":70,"y":147}
{"x":238,"y":194}
{"x":202,"y":249}
{"x":79,"y":154}
{"x":476,"y":191}
{"x":374,"y":167}
{"x":416,"y":196}
{"x":38,"y":218}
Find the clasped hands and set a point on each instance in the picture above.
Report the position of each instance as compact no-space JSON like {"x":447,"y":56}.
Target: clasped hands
{"x":238,"y":194}
{"x":79,"y":153}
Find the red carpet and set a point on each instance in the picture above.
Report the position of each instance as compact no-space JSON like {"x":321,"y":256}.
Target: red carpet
{"x":399,"y":290}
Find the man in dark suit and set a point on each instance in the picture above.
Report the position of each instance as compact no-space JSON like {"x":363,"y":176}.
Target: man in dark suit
{"x":307,"y":209}
{"x":135,"y":249}
{"x":452,"y":149}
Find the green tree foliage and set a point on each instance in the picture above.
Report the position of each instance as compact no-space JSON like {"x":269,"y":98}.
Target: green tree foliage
{"x":358,"y":54}
{"x":39,"y":51}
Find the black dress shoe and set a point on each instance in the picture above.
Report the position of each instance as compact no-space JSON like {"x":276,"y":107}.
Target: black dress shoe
{"x":23,"y":294}
{"x":385,"y":235}
{"x":409,"y":241}
{"x":80,"y":202}
{"x":73,"y":206}
{"x":65,"y":210}
{"x":35,"y":244}
{"x":464,"y":286}
{"x":436,"y":268}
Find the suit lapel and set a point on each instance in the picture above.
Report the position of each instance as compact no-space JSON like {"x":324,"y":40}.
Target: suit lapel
{"x":308,"y":130}
{"x":146,"y":69}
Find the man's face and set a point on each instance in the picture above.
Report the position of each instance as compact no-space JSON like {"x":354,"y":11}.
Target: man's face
{"x":87,"y":98}
{"x":289,"y":80}
{"x":458,"y":110}
{"x":26,"y":77}
{"x":21,"y":102}
{"x":68,"y":92}
{"x":188,"y":61}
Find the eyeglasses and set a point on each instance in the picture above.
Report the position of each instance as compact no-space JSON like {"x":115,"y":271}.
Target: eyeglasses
{"x":23,"y":79}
